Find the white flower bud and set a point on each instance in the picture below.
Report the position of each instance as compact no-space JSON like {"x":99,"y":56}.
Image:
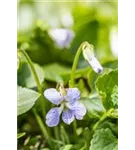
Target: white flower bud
{"x":96,"y":66}
{"x":88,"y":54}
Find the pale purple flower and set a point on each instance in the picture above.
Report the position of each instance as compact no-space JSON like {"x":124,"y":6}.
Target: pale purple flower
{"x":62,"y":37}
{"x":68,"y":103}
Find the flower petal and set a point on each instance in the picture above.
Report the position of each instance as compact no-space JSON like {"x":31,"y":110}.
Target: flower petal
{"x":73,"y":94}
{"x":78,"y":109}
{"x":96,"y":66}
{"x":68,"y":116}
{"x":53,"y":117}
{"x":53,"y":96}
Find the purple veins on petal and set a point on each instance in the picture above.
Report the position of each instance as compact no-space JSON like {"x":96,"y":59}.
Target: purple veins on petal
{"x":78,"y":117}
{"x":79,"y":110}
{"x":53,"y":96}
{"x":73,"y":94}
{"x":53,"y":117}
{"x":68,"y":116}
{"x":69,"y":104}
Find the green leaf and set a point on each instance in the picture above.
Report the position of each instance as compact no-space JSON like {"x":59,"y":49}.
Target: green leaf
{"x":114,"y":96}
{"x":105,"y":85}
{"x":94,"y":106}
{"x":93,"y":76}
{"x":54,"y":72}
{"x":19,"y":135}
{"x":66,"y":147}
{"x":112,"y":126}
{"x":114,"y":114}
{"x":111,"y":64}
{"x":25,"y":99}
{"x":79,"y":131}
{"x":54,"y":142}
{"x":64,"y":135}
{"x":103,"y":139}
{"x":84,"y":147}
{"x":18,"y":63}
{"x":81,"y":85}
{"x":56,"y":67}
{"x":25,"y":76}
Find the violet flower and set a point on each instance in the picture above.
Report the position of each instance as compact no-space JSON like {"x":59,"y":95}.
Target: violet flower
{"x":62,"y":37}
{"x":69,"y":106}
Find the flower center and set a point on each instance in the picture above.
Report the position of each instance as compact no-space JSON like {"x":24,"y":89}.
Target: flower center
{"x":64,"y":105}
{"x":63,"y":91}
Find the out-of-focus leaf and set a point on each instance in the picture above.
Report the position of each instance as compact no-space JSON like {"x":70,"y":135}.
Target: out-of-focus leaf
{"x":89,"y":25}
{"x":53,"y":72}
{"x":25,"y":99}
{"x":82,"y":87}
{"x":26,"y":78}
{"x":55,"y":144}
{"x":19,"y":135}
{"x":111,"y":64}
{"x":103,"y":139}
{"x":62,"y":72}
{"x":42,"y":49}
{"x":79,"y":131}
{"x":64,"y":135}
{"x":66,"y":147}
{"x":56,"y":67}
{"x":94,"y":106}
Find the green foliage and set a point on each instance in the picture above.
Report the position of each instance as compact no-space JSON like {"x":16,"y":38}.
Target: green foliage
{"x":92,"y":77}
{"x":111,"y":64}
{"x":19,"y":135}
{"x":53,"y":72}
{"x":114,"y":96}
{"x":66,"y":147}
{"x":105,"y":86}
{"x":113,"y":126}
{"x":94,"y":106}
{"x":25,"y":77}
{"x":103,"y":139}
{"x":25,"y":99}
{"x":114,"y":114}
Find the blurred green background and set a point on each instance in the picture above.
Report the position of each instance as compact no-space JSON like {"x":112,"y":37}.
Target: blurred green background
{"x":95,"y":22}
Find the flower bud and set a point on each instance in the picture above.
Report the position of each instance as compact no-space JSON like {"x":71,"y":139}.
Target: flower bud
{"x":88,"y":54}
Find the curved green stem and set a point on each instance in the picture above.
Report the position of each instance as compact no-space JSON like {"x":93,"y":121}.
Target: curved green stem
{"x":75,"y":127}
{"x":41,"y":124}
{"x":76,"y":59}
{"x":56,"y":133}
{"x":33,"y":70}
{"x":72,"y":76}
{"x":39,"y":87}
{"x":103,"y":117}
